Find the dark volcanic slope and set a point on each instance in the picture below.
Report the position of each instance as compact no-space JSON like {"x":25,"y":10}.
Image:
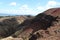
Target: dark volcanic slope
{"x":42,"y":22}
{"x":8,"y":27}
{"x":39,"y":23}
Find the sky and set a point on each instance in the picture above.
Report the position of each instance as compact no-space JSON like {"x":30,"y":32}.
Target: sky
{"x":27,"y":7}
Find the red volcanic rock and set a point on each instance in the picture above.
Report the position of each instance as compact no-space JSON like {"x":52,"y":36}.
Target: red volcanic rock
{"x":53,"y":12}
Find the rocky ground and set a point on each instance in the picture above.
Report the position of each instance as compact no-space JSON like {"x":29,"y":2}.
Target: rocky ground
{"x":54,"y":30}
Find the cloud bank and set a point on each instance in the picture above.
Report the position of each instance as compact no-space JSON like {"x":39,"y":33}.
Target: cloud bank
{"x":13,"y":4}
{"x":25,"y":9}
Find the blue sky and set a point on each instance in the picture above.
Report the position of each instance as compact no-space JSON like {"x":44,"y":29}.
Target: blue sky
{"x":27,"y":7}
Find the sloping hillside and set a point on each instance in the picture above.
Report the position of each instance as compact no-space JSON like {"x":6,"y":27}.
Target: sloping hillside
{"x":54,"y":30}
{"x":9,"y":25}
{"x":44,"y":32}
{"x":53,"y":12}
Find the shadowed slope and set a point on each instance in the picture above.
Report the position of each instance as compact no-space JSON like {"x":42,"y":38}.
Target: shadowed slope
{"x":40,"y":22}
{"x":8,"y":27}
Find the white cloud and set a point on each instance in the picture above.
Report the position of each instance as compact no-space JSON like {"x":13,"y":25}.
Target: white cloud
{"x":25,"y":9}
{"x":51,"y":4}
{"x":13,"y":3}
{"x":40,"y":9}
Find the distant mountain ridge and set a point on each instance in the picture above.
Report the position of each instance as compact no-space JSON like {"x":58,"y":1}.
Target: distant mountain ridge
{"x":5,"y":14}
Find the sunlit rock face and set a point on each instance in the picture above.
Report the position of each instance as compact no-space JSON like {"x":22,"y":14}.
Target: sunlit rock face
{"x":53,"y":11}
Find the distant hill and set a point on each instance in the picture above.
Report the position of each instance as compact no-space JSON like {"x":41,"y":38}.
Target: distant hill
{"x":9,"y":24}
{"x":4,"y":14}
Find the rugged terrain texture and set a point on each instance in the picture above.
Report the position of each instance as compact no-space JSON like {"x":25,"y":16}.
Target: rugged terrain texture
{"x":9,"y":25}
{"x":54,"y":30}
{"x":52,"y":33}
